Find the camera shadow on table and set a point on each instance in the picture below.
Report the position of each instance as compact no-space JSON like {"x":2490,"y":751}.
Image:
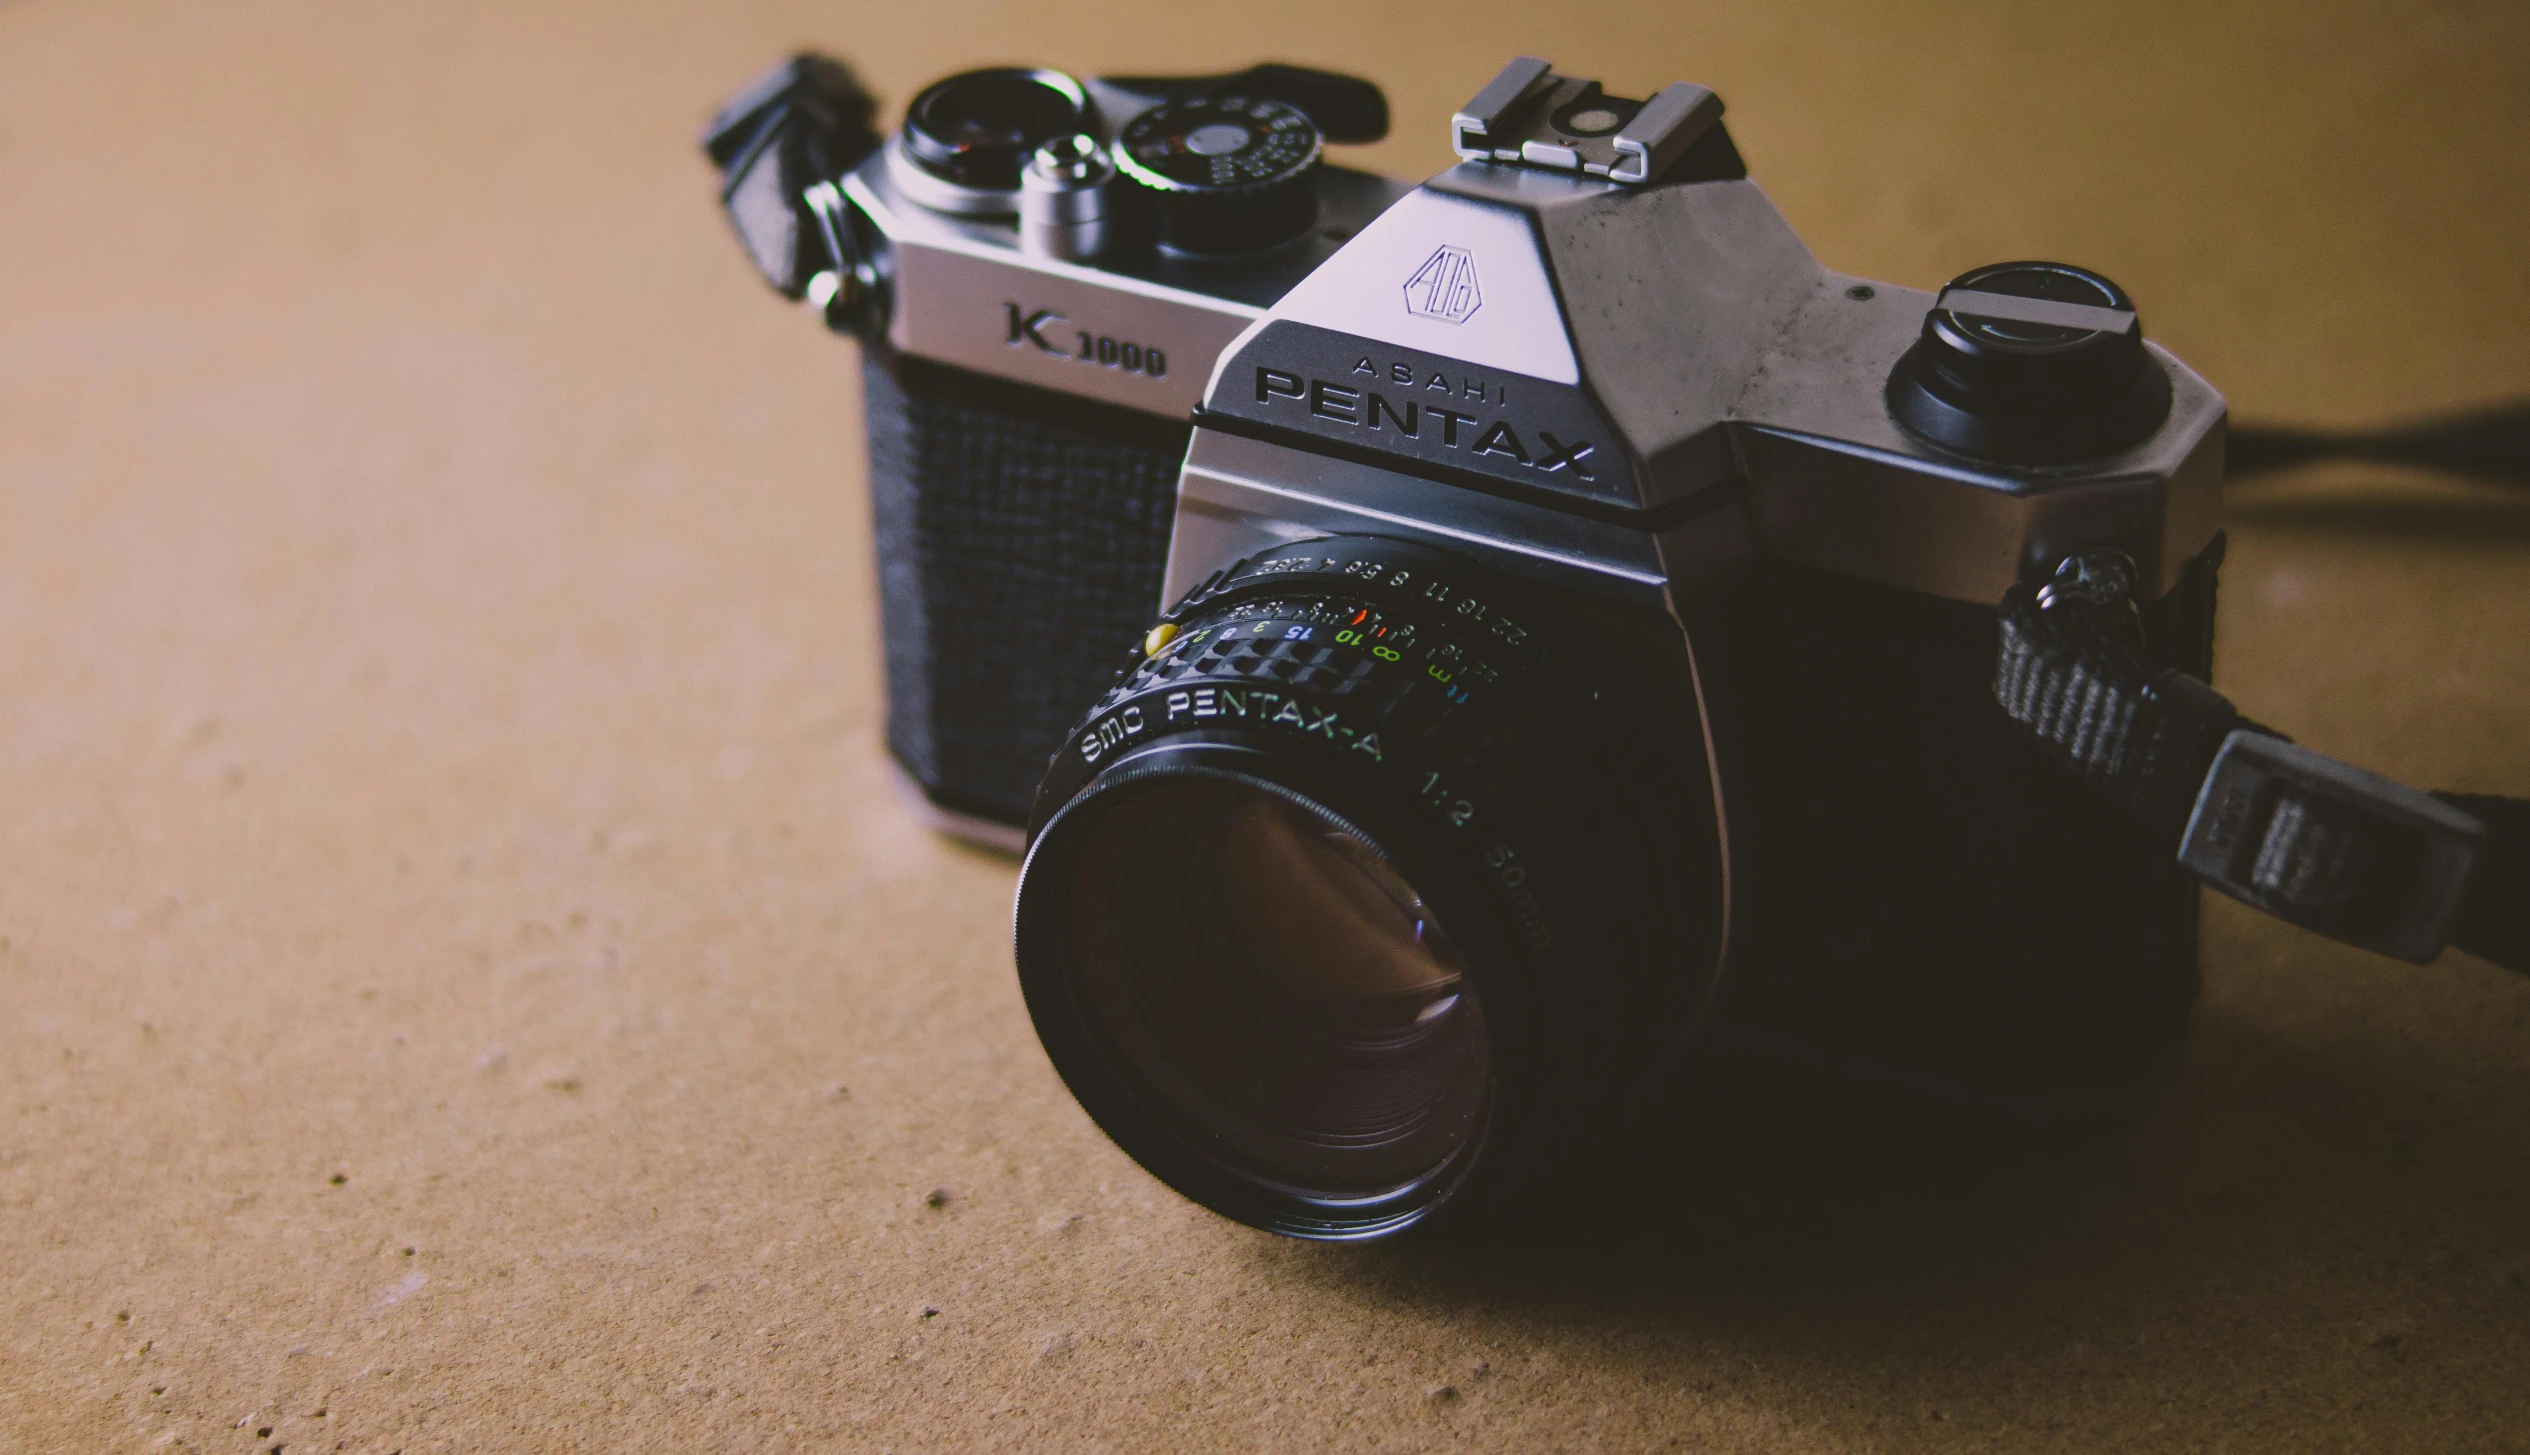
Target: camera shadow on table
{"x":2323,"y":1224}
{"x":2484,"y":514}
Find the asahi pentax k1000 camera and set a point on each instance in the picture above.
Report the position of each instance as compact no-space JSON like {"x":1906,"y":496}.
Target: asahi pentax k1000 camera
{"x":1441,"y":646}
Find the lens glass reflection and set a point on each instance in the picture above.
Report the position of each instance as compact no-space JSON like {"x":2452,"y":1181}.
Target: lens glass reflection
{"x":1277,"y":988}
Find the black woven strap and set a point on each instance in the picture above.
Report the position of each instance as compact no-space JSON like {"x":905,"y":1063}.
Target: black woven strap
{"x":805,"y":121}
{"x":2494,"y":918}
{"x":2073,"y":672}
{"x":2298,"y":834}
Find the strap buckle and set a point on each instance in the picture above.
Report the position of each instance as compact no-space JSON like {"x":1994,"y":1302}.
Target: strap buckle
{"x":2330,"y":847}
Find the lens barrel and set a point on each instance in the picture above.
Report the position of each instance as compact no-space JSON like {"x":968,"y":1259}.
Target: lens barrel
{"x":1365,"y":879}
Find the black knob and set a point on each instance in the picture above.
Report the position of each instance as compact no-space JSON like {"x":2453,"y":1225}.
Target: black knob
{"x":1224,"y":174}
{"x":976,"y":129}
{"x":2031,"y":364}
{"x":1347,"y":109}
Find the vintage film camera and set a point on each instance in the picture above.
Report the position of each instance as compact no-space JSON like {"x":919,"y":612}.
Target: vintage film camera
{"x":1485,"y":634}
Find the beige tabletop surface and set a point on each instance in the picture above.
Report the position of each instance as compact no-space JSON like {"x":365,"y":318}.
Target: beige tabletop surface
{"x":466,"y":984}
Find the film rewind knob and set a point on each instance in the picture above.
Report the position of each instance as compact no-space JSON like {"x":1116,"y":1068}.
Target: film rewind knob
{"x":2031,"y":364}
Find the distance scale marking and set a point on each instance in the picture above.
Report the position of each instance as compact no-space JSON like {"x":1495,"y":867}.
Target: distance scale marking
{"x":1448,"y":600}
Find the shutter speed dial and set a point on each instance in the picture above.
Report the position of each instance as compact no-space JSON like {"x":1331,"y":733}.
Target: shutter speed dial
{"x":1223,"y":174}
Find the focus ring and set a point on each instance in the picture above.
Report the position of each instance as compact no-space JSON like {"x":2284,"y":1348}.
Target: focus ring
{"x":1387,"y":655}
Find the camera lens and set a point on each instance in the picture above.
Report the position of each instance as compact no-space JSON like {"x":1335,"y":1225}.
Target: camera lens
{"x":1362,"y":882}
{"x":975,"y":130}
{"x":1272,"y":979}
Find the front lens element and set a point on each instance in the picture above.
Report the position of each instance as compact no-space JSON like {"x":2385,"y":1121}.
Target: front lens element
{"x":1270,"y":984}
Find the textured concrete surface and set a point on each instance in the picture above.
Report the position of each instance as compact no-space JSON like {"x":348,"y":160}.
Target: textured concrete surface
{"x":464,"y":984}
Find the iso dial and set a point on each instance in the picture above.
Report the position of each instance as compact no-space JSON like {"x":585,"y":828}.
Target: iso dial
{"x":1223,"y":174}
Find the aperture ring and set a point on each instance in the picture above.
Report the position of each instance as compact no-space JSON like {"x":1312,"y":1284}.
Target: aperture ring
{"x":1345,"y":648}
{"x":1393,"y":573}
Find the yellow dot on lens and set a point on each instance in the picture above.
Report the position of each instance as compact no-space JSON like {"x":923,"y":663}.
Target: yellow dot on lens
{"x":1159,"y":638}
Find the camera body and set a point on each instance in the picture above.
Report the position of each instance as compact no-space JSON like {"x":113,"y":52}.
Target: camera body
{"x":1555,"y":558}
{"x":1027,"y":391}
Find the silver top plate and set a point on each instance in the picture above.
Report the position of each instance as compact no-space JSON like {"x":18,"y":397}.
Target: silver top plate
{"x":1143,"y":333}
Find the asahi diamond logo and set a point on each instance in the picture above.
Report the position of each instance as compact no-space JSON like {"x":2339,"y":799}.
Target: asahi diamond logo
{"x":1445,"y":286}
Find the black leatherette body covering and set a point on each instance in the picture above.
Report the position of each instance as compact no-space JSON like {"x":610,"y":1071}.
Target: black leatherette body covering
{"x":1021,"y":539}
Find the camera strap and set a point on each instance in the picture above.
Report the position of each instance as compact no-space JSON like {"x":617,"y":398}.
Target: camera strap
{"x":803,"y":122}
{"x":2303,"y":836}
